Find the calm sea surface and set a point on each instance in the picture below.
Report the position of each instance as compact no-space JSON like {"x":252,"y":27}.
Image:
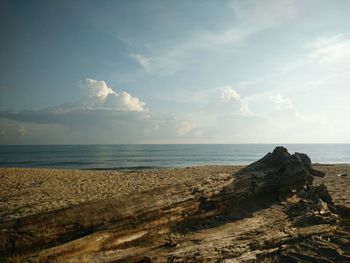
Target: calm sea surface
{"x":152,"y":156}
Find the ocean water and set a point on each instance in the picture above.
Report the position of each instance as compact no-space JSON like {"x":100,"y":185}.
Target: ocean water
{"x":157,"y":156}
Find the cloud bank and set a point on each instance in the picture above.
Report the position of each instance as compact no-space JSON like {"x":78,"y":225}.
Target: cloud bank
{"x":104,"y":115}
{"x":100,"y":115}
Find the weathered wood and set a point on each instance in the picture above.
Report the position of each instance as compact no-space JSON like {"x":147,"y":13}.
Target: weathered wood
{"x":146,"y":210}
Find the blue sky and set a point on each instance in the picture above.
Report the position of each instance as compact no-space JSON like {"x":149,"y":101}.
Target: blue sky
{"x":274,"y":71}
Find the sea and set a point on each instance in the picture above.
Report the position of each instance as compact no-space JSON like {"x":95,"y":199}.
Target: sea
{"x":149,"y":156}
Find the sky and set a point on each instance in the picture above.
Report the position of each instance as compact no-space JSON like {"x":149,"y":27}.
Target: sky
{"x":199,"y":71}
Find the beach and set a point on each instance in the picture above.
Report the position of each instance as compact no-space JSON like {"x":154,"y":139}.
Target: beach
{"x":337,"y":185}
{"x":26,"y":191}
{"x":190,"y":214}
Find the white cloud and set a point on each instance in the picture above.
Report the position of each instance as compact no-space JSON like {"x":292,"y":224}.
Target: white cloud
{"x":270,"y":118}
{"x":101,"y":115}
{"x":281,"y":102}
{"x":96,"y":94}
{"x":131,"y":103}
{"x":324,"y":57}
{"x":142,"y":60}
{"x":244,"y":109}
{"x":158,"y":64}
{"x":330,"y":51}
{"x":185,"y":126}
{"x":95,"y":88}
{"x":125,"y":102}
{"x":229,"y":93}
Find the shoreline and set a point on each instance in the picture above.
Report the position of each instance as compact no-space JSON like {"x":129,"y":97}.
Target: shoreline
{"x":145,"y":167}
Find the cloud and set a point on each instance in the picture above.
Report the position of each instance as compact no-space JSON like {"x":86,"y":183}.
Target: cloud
{"x":79,"y":125}
{"x":281,"y":103}
{"x":11,"y":132}
{"x":131,"y":103}
{"x":233,"y":118}
{"x":97,"y":95}
{"x":330,"y":51}
{"x":99,"y":112}
{"x":221,"y":100}
{"x":253,"y":17}
{"x":142,"y":60}
{"x":158,"y":64}
{"x":325,"y":56}
{"x":259,"y":15}
{"x":244,"y":109}
{"x":229,"y":93}
{"x":185,"y":126}
{"x":250,"y":17}
{"x":101,"y":115}
{"x":95,"y":88}
{"x":125,"y":102}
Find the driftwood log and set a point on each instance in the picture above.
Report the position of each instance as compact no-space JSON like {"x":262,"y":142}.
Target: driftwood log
{"x":269,"y":212}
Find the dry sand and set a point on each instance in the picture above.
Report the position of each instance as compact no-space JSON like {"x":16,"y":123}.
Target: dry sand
{"x":29,"y":191}
{"x":338,"y":186}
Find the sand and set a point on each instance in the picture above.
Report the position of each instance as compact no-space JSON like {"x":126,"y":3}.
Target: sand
{"x":193,"y":214}
{"x":338,"y":186}
{"x":30,"y":191}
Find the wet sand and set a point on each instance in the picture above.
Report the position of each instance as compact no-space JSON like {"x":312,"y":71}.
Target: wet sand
{"x":28,"y":191}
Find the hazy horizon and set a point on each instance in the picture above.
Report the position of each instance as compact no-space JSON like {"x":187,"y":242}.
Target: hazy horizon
{"x":174,"y":72}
